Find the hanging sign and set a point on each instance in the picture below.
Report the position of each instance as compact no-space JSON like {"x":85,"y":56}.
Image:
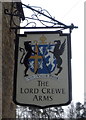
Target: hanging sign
{"x":42,"y":75}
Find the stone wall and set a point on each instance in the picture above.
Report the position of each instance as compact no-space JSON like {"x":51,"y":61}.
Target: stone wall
{"x":0,"y":59}
{"x":8,"y":47}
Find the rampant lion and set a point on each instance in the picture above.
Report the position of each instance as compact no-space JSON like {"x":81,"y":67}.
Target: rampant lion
{"x":24,"y":57}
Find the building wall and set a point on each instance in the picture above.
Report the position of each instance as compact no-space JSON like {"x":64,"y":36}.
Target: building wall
{"x":0,"y":59}
{"x":8,"y":47}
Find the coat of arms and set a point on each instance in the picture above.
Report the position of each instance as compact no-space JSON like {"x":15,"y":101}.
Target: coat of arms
{"x":41,"y":57}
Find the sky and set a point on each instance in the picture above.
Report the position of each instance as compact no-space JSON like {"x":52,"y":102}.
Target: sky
{"x":67,"y":12}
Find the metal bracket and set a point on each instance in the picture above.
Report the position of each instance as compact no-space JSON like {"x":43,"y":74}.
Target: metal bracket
{"x":37,"y":18}
{"x":15,"y":11}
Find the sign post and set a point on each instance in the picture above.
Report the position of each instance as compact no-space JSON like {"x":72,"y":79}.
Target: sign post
{"x":42,"y":74}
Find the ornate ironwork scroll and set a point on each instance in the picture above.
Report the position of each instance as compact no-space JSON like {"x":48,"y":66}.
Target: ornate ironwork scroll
{"x":15,"y":11}
{"x":35,"y":17}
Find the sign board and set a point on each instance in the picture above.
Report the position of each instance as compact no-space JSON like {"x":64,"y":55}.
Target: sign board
{"x":42,"y":74}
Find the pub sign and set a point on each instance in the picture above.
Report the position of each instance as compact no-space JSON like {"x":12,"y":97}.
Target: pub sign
{"x":42,"y":75}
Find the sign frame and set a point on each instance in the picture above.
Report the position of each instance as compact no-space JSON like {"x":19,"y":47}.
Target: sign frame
{"x":68,"y":35}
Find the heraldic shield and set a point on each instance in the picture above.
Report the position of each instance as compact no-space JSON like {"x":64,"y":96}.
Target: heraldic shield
{"x":43,"y":69}
{"x":43,"y":62}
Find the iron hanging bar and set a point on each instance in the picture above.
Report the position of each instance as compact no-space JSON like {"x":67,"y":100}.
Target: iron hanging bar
{"x":48,"y":27}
